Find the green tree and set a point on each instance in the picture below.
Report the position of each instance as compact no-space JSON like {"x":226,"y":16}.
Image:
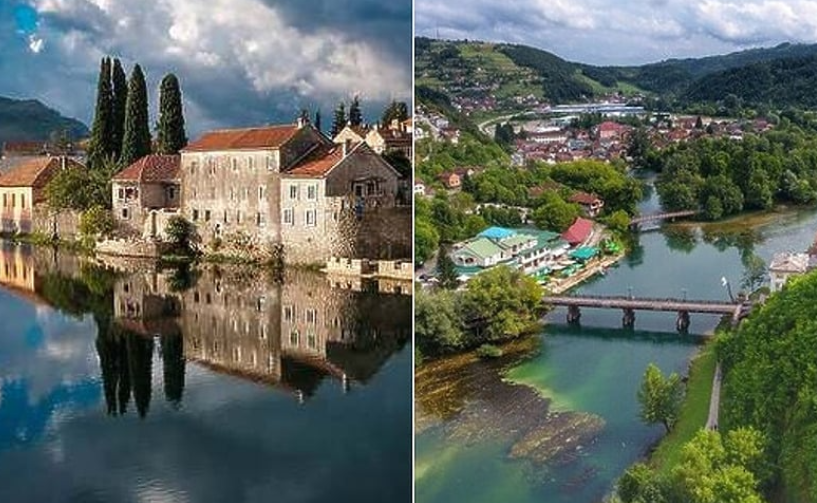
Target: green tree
{"x":101,"y":145}
{"x":338,"y":119}
{"x":714,"y":471}
{"x":80,"y":189}
{"x":170,"y":133}
{"x":426,"y":240}
{"x":640,"y":484}
{"x":446,"y":269}
{"x":355,"y":114}
{"x":397,"y":110}
{"x":502,"y":303}
{"x":119,"y":100}
{"x":754,"y":271}
{"x":556,"y":215}
{"x":181,"y":234}
{"x":660,"y":398}
{"x":437,"y":322}
{"x":317,"y":122}
{"x":618,"y":221}
{"x":136,"y":138}
{"x":96,"y":221}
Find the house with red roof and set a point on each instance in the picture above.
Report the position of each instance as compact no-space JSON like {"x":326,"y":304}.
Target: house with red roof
{"x":578,"y":232}
{"x":286,"y":186}
{"x":143,"y":190}
{"x":591,"y":204}
{"x":22,"y":190}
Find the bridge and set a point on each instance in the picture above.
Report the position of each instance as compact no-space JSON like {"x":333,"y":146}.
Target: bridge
{"x":629,"y":305}
{"x":658,"y":217}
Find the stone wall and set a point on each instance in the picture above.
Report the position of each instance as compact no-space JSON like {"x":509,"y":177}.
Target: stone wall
{"x":63,"y":223}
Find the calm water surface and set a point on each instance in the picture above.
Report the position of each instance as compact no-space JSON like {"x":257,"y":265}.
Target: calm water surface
{"x":199,"y":386}
{"x":596,"y":368}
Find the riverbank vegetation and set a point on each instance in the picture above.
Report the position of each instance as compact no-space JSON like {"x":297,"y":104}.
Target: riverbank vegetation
{"x":770,"y":383}
{"x":724,"y":177}
{"x":498,"y":305}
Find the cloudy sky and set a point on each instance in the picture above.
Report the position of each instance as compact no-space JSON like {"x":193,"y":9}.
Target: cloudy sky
{"x":241,"y":62}
{"x":625,"y":31}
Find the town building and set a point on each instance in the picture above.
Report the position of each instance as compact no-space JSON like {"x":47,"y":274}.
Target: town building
{"x":785,"y":266}
{"x":578,"y":232}
{"x":145,"y":194}
{"x":289,"y":187}
{"x":591,"y":204}
{"x":22,"y":191}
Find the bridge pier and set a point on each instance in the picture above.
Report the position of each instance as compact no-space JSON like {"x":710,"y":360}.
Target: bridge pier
{"x":682,"y":321}
{"x":574,"y":314}
{"x":628,"y":320}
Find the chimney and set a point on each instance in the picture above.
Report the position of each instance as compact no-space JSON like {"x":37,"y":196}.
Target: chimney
{"x":300,"y":122}
{"x":62,"y":163}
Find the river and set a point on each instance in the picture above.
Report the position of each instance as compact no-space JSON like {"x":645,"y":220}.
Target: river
{"x":207,"y":385}
{"x":559,"y":423}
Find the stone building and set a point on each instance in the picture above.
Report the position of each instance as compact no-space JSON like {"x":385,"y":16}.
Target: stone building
{"x":394,"y":138}
{"x":231,"y":181}
{"x":22,"y":191}
{"x":255,"y":190}
{"x":144,"y":192}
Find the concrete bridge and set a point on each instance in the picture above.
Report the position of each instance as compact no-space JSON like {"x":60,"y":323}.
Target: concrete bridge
{"x":636,"y":222}
{"x":629,"y":305}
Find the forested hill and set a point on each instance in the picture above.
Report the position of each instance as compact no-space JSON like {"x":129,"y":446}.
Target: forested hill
{"x":781,"y":83}
{"x":471,"y":68}
{"x":32,"y":120}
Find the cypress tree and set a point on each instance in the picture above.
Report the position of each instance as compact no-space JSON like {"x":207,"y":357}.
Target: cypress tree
{"x":136,"y":139}
{"x":318,"y":120}
{"x":355,"y":115}
{"x":119,"y":101}
{"x":170,"y":133}
{"x":339,"y":120}
{"x":101,"y":143}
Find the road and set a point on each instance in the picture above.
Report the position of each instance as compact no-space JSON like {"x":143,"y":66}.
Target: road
{"x":715,"y":400}
{"x":483,"y":126}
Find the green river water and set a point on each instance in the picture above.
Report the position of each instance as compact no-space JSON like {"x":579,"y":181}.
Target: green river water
{"x":594,"y":369}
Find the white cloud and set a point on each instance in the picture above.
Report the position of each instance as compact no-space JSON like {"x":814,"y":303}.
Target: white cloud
{"x":226,"y":40}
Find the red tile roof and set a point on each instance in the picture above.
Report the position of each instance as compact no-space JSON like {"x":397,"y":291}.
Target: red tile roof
{"x":319,"y":161}
{"x":578,"y":232}
{"x":584,"y":198}
{"x":34,"y":172}
{"x":151,"y":168}
{"x":25,"y":147}
{"x":268,"y":137}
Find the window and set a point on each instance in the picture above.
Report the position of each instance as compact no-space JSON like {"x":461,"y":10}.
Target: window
{"x":125,"y":215}
{"x":251,"y":163}
{"x":232,"y":194}
{"x":289,"y":313}
{"x":358,"y":190}
{"x":289,"y":216}
{"x":270,"y":163}
{"x":226,"y":217}
{"x":206,"y":215}
{"x":120,"y":194}
{"x":312,"y":192}
{"x":171,"y":193}
{"x":211,"y":165}
{"x":311,"y":217}
{"x":13,"y":200}
{"x":193,"y":166}
{"x":262,"y":192}
{"x":293,"y":191}
{"x":235,"y":164}
{"x":311,"y":316}
{"x":195,"y":215}
{"x":238,"y":217}
{"x":245,"y":194}
{"x":260,"y":221}
{"x":5,"y":201}
{"x":311,"y":339}
{"x":293,"y":337}
{"x":23,"y":201}
{"x":370,"y":188}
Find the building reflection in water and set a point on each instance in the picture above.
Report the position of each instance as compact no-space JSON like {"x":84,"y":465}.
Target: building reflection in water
{"x":290,"y":331}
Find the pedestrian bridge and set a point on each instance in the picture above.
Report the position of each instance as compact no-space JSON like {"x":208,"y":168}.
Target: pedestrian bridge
{"x":629,"y":305}
{"x":636,"y":222}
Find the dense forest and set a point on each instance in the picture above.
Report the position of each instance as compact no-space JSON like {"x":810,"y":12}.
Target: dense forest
{"x":724,"y":177}
{"x":771,"y":384}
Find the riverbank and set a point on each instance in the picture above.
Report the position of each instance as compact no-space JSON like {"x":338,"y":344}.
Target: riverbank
{"x":596,"y":267}
{"x":694,"y":411}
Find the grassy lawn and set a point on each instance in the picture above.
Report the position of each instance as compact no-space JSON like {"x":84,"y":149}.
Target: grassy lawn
{"x":693,"y":413}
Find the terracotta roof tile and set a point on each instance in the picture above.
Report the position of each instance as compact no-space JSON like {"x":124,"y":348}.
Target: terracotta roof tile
{"x":151,"y":168}
{"x":583,"y":198}
{"x":578,"y":232}
{"x":319,"y":162}
{"x":33,"y":172}
{"x":241,"y":139}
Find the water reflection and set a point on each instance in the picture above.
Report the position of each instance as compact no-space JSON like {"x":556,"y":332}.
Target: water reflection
{"x":289,"y":331}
